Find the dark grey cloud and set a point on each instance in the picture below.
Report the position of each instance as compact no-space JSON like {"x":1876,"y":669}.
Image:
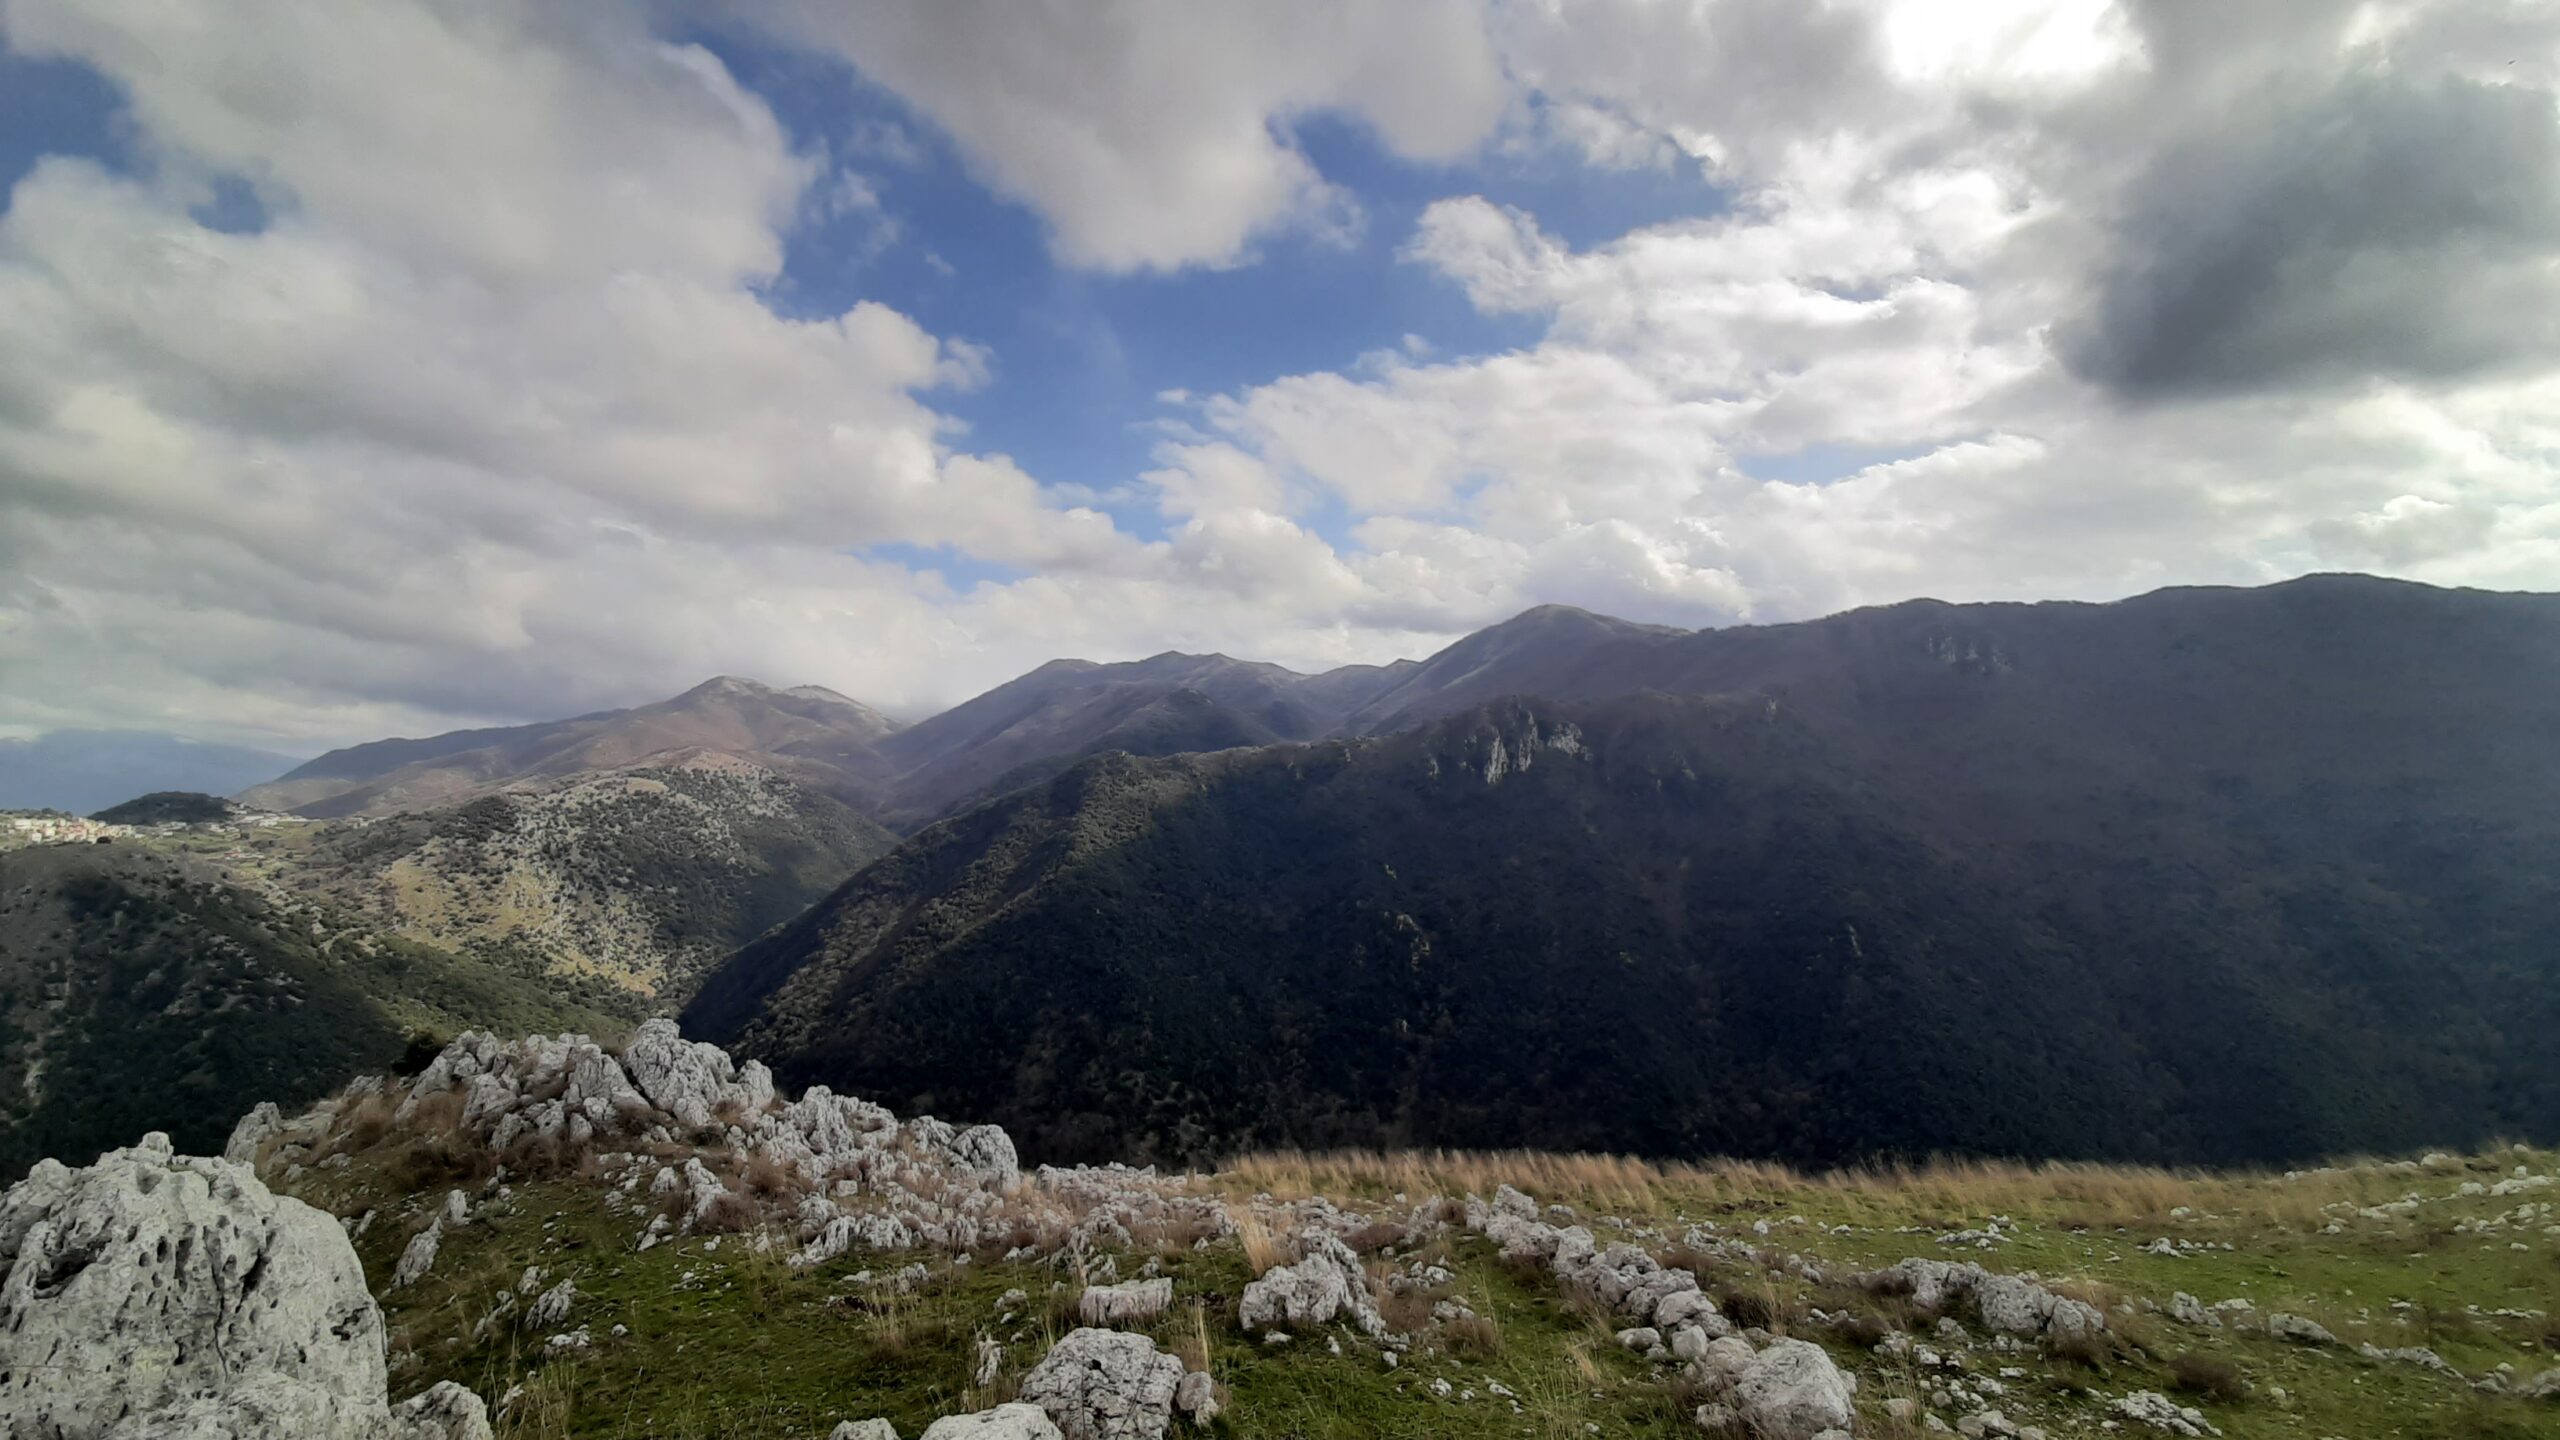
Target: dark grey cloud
{"x":2380,"y":227}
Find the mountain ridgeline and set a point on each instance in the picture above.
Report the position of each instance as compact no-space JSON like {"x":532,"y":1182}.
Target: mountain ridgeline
{"x":2209,"y":875}
{"x":902,"y":776}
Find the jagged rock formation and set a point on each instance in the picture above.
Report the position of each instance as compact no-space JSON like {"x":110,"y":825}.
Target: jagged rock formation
{"x":858,"y":1177}
{"x":2006,"y":1304}
{"x":1622,"y":1279}
{"x":1327,"y":1282}
{"x":158,"y":1295}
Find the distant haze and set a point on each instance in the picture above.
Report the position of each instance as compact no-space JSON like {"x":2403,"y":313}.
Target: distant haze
{"x":87,"y":770}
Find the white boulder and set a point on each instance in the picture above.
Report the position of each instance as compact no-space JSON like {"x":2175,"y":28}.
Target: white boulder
{"x":1792,"y":1391}
{"x":1105,"y":1385}
{"x":159,"y":1295}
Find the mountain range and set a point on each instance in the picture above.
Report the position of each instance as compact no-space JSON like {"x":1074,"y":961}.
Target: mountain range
{"x":2209,"y":874}
{"x":2228,"y":875}
{"x":902,"y":775}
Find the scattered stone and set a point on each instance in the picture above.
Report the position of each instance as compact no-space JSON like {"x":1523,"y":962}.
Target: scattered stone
{"x":553,"y":1307}
{"x":2150,"y":1407}
{"x":442,"y":1411}
{"x":1015,"y":1421}
{"x":419,"y":1257}
{"x":2187,"y":1310}
{"x":1197,"y":1397}
{"x":2007,"y":1304}
{"x":2299,"y":1331}
{"x":1132,"y":1302}
{"x":874,"y":1429}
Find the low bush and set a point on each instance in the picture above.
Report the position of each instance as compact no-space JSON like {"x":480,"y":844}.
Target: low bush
{"x":2208,"y":1376}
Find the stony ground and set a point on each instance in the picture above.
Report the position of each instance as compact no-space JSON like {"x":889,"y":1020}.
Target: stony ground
{"x":2404,"y":1298}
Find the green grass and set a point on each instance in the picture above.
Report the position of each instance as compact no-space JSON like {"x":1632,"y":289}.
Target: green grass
{"x":723,"y":1341}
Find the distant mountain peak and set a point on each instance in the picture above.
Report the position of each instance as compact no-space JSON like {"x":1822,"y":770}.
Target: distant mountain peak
{"x":726,"y":685}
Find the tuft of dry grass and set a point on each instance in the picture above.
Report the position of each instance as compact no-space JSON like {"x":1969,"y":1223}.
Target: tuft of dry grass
{"x":2097,"y":1196}
{"x":770,"y":1177}
{"x":363,"y":1124}
{"x":728,"y":1213}
{"x":1263,"y":1250}
{"x":1472,"y":1337}
{"x":1375,"y":1236}
{"x":1192,"y":1344}
{"x":1753,"y":1307}
{"x":1586,"y":1370}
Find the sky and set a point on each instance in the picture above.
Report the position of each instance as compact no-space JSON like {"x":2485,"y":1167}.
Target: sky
{"x":387,"y":367}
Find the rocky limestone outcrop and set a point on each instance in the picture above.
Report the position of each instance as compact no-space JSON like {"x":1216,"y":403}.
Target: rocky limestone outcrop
{"x":914,"y":1183}
{"x":694,"y":1083}
{"x":1622,"y":1279}
{"x":159,"y":1295}
{"x":1328,"y":1282}
{"x":1785,"y":1390}
{"x":1105,"y":1385}
{"x":2007,"y":1304}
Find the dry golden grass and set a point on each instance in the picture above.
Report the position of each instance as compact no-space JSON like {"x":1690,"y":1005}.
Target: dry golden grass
{"x":2079,"y":1193}
{"x":362,"y":1123}
{"x":1192,"y":1345}
{"x":1586,"y":1370}
{"x":1263,"y":1250}
{"x":770,"y":1177}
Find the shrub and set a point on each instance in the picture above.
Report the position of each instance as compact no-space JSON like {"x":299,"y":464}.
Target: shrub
{"x":2208,"y":1376}
{"x":769,"y":1176}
